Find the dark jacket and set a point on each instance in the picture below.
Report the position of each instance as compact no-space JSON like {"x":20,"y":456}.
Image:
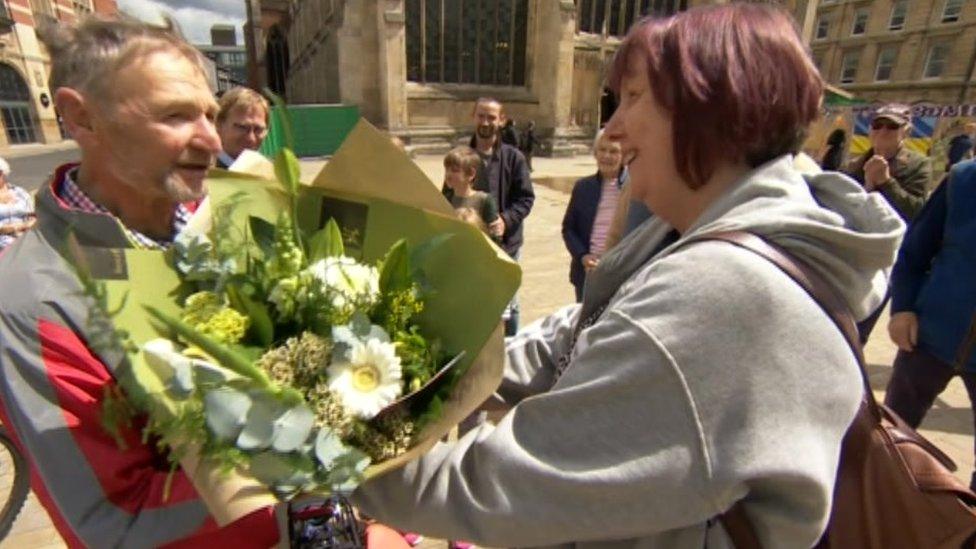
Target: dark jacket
{"x":506,"y":178}
{"x":911,"y":176}
{"x":936,"y":268}
{"x":578,"y":223}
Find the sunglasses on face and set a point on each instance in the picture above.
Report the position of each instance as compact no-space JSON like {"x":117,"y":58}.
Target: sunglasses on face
{"x":885,"y":124}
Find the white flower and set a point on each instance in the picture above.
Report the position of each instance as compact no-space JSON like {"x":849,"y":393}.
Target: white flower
{"x":369,"y":381}
{"x":345,"y":281}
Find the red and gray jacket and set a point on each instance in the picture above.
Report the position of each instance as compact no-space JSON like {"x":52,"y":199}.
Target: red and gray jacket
{"x":52,"y":386}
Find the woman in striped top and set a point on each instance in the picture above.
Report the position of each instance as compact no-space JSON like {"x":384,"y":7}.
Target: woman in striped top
{"x":590,"y":211}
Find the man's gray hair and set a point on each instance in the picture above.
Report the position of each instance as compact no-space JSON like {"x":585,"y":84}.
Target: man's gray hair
{"x":86,"y":56}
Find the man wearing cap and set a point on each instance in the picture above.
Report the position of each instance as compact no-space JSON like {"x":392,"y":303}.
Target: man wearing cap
{"x":901,"y":175}
{"x":136,"y":99}
{"x":242,"y":123}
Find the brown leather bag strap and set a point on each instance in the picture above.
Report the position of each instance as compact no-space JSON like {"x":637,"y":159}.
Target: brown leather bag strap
{"x":816,"y":287}
{"x":735,"y":521}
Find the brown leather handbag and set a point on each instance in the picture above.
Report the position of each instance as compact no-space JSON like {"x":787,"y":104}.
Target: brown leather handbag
{"x":894,"y":488}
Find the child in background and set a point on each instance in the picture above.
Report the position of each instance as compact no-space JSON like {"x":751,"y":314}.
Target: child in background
{"x":460,"y":169}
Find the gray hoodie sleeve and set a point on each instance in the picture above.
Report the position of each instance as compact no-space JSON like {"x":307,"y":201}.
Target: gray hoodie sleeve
{"x":679,"y":401}
{"x":563,"y":464}
{"x":533,"y":354}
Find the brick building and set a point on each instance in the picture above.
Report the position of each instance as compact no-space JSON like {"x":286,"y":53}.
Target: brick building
{"x":26,"y":106}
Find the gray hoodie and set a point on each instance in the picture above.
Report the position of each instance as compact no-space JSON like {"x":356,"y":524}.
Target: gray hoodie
{"x":710,"y":377}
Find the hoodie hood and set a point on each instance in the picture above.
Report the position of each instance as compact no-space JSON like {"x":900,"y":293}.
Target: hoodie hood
{"x":825,"y":219}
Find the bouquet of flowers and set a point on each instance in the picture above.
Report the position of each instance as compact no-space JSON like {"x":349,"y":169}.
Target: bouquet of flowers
{"x":298,"y":334}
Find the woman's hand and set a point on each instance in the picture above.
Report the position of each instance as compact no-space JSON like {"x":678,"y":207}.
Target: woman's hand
{"x":590,"y":261}
{"x":903,"y":330}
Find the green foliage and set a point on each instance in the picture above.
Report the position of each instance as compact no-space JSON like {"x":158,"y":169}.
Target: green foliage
{"x":225,"y":355}
{"x":326,"y":242}
{"x":395,"y":273}
{"x":263,"y":234}
{"x":261,"y":326}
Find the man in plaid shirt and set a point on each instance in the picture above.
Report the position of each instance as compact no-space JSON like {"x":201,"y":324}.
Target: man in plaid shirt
{"x":136,"y":99}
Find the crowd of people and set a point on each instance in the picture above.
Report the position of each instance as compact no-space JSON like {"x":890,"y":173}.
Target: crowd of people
{"x":691,"y":378}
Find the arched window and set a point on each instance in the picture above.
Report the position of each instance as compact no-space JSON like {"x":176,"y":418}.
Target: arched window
{"x":277,"y":60}
{"x":467,"y":41}
{"x":15,"y":106}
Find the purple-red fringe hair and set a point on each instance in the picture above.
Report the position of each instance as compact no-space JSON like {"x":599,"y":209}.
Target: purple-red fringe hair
{"x":736,"y":79}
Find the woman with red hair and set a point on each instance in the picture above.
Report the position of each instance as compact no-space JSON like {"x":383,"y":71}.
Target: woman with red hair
{"x":695,"y":375}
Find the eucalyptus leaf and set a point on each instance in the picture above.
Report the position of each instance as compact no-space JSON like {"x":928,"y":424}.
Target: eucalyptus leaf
{"x":292,"y":428}
{"x":360,"y":325}
{"x":378,"y":333}
{"x":395,"y":274}
{"x":171,"y":366}
{"x":259,"y":427}
{"x":286,"y":473}
{"x":181,"y":384}
{"x":226,"y":411}
{"x":347,"y":471}
{"x":207,"y":374}
{"x":326,"y":242}
{"x":270,"y":468}
{"x":328,"y":448}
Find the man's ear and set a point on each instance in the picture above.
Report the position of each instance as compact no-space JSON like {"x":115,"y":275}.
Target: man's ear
{"x":75,"y":113}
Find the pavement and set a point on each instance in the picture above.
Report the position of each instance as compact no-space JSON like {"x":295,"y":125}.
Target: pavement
{"x":545,"y":287}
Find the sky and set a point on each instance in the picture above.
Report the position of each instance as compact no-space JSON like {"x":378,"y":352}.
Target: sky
{"x":194,"y":16}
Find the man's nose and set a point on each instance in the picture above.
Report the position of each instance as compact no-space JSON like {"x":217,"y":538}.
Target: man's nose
{"x":205,"y":135}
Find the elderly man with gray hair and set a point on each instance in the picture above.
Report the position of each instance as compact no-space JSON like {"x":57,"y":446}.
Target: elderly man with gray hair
{"x":16,"y":208}
{"x":136,"y":99}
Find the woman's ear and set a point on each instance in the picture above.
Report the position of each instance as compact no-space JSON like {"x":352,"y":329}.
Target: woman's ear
{"x":75,"y":113}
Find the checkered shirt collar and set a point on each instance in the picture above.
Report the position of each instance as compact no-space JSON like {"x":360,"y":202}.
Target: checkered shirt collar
{"x":75,"y":198}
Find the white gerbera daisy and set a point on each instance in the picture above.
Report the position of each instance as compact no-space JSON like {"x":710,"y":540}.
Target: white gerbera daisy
{"x":369,"y":381}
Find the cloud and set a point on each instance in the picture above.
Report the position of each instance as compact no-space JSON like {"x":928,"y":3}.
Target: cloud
{"x":195,"y":17}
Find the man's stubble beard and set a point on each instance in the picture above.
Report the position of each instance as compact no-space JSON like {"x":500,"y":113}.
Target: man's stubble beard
{"x":486,"y":132}
{"x":180,"y":192}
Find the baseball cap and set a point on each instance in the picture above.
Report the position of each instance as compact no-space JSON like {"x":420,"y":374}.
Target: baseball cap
{"x":896,"y":112}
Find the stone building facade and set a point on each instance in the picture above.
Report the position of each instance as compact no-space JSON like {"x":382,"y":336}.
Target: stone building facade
{"x":416,"y":67}
{"x":898,"y":50}
{"x":26,"y":103}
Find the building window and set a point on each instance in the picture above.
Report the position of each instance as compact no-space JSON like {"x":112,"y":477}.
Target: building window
{"x":848,"y":68}
{"x":41,"y":7}
{"x":898,"y":13}
{"x":467,"y":41}
{"x":860,"y":21}
{"x":823,"y":28}
{"x":619,"y":15}
{"x":951,"y":11}
{"x":886,"y":63}
{"x":81,"y":7}
{"x":935,"y":61}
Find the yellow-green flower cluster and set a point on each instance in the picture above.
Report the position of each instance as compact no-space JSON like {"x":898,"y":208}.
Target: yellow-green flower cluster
{"x":206,"y":313}
{"x":287,"y":258}
{"x":385,"y":437}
